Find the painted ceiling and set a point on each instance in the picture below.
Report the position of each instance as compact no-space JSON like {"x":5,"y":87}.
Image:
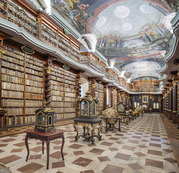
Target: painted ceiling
{"x":134,"y":35}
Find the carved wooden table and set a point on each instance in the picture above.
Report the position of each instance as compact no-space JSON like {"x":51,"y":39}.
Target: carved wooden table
{"x":88,"y":125}
{"x":47,"y":137}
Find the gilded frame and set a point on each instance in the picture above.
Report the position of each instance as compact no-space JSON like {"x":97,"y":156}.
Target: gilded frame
{"x":145,"y":99}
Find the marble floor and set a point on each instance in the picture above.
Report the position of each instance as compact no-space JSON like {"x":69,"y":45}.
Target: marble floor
{"x":140,"y":147}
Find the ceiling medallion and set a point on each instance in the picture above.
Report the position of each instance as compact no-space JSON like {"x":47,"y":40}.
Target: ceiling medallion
{"x":121,"y":12}
{"x":146,"y":8}
{"x":127,"y":26}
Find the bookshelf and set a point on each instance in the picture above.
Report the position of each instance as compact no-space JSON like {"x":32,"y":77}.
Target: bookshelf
{"x":115,"y":98}
{"x":22,"y":86}
{"x":63,"y":87}
{"x":99,"y":95}
{"x":178,"y":96}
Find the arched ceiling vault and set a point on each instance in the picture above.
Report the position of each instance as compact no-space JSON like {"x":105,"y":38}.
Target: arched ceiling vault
{"x":134,"y":35}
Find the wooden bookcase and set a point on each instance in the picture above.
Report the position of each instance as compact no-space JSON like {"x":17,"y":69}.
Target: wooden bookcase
{"x":99,"y":95}
{"x":22,"y":86}
{"x":178,"y":96}
{"x":63,"y":93}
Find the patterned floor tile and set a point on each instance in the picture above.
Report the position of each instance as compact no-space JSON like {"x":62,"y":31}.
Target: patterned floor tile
{"x":9,"y":159}
{"x":154,"y":163}
{"x":122,"y":156}
{"x":112,"y":169}
{"x":135,"y":166}
{"x":82,"y":161}
{"x":30,"y":168}
{"x":58,"y":164}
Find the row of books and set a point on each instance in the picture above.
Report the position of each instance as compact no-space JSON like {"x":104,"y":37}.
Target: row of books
{"x":13,"y":60}
{"x":35,"y":67}
{"x":12,"y":72}
{"x":57,"y":93}
{"x":33,"y":103}
{"x":12,"y":94}
{"x":67,"y":94}
{"x":13,"y":79}
{"x":12,"y":102}
{"x":29,"y":111}
{"x":33,"y":77}
{"x":34,"y":83}
{"x":16,"y":54}
{"x":16,"y":111}
{"x":12,"y":65}
{"x":34,"y":96}
{"x":12,"y":86}
{"x":57,"y":98}
{"x":34,"y":60}
{"x":34,"y":89}
{"x":35,"y":72}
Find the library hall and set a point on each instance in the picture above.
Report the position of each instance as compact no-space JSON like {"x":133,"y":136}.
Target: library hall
{"x":89,"y":86}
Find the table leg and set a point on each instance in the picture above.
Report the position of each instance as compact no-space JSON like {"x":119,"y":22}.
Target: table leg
{"x":63,"y":141}
{"x":48,"y":146}
{"x":119,"y":124}
{"x":42,"y":147}
{"x":27,"y":146}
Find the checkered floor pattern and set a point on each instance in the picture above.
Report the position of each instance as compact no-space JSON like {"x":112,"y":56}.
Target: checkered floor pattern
{"x":140,"y":147}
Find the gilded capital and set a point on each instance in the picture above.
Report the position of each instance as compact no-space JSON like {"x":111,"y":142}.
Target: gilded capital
{"x":48,"y":70}
{"x":1,"y":52}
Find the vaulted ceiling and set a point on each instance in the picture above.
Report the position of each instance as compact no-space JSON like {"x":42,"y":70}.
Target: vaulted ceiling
{"x":134,"y":35}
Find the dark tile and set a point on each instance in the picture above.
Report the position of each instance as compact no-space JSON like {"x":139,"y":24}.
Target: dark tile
{"x":57,"y":142}
{"x":57,"y":147}
{"x":122,"y":156}
{"x":154,"y":163}
{"x":106,"y":143}
{"x":96,"y":151}
{"x":137,"y":137}
{"x":78,"y":152}
{"x":113,"y":138}
{"x":9,"y":159}
{"x":58,"y":164}
{"x":168,"y":150}
{"x":153,"y":139}
{"x":128,"y":148}
{"x":112,"y":169}
{"x":16,"y":150}
{"x":35,"y":156}
{"x":133,"y":141}
{"x":3,"y":145}
{"x":88,"y":171}
{"x":142,"y":146}
{"x":170,"y":160}
{"x":21,"y":144}
{"x":135,"y":166}
{"x":75,"y":146}
{"x":56,"y":155}
{"x":1,"y":151}
{"x":9,"y":140}
{"x":104,"y":158}
{"x":36,"y":149}
{"x":139,"y":154}
{"x":81,"y":161}
{"x":113,"y":149}
{"x":155,"y":145}
{"x":30,"y":168}
{"x":154,"y":152}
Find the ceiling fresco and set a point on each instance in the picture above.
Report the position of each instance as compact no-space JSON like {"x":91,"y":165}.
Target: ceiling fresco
{"x":134,"y":35}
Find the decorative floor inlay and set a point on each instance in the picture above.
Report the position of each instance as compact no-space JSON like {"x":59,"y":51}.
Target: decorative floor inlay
{"x":140,"y":147}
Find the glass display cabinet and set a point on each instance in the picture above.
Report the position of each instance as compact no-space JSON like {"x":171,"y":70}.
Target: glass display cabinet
{"x":121,"y":109}
{"x":88,"y":119}
{"x":44,"y":120}
{"x":88,"y":106}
